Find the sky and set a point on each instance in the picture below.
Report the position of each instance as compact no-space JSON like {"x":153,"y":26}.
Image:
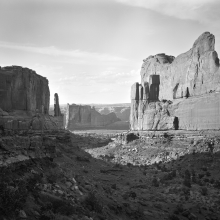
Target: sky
{"x":91,"y":51}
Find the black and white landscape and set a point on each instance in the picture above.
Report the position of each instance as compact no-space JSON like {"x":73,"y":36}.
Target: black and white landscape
{"x":109,"y":110}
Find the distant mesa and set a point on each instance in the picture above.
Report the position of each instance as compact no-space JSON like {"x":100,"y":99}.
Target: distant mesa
{"x":86,"y":117}
{"x":179,"y":93}
{"x":122,"y":112}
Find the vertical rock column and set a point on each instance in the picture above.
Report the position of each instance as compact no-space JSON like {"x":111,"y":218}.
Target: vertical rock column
{"x":143,"y":106}
{"x":134,"y":106}
{"x":67,"y":117}
{"x":56,"y":105}
{"x":154,"y":83}
{"x":140,"y":108}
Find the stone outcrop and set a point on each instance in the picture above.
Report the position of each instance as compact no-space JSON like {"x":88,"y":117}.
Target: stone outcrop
{"x":24,"y":100}
{"x":23,"y":146}
{"x":178,"y":93}
{"x":193,"y":73}
{"x":58,"y":116}
{"x":81,"y":117}
{"x":57,"y":111}
{"x":23,"y":89}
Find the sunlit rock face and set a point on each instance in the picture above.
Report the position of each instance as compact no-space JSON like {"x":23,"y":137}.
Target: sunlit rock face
{"x":187,"y":81}
{"x":85,"y":116}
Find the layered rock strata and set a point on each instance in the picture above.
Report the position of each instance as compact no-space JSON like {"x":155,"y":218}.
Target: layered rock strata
{"x":81,"y":117}
{"x":24,"y":100}
{"x":178,"y":93}
{"x":23,"y":89}
{"x":23,"y":146}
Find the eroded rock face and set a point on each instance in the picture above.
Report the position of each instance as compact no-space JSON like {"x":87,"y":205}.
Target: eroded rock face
{"x":20,"y":146}
{"x":57,"y":111}
{"x":24,"y":100}
{"x":193,"y":73}
{"x":23,"y":89}
{"x":191,"y":83}
{"x":78,"y":116}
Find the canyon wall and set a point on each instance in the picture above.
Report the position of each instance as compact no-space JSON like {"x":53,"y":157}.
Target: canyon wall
{"x":82,"y":117}
{"x":178,"y":93}
{"x":24,"y":100}
{"x":23,"y":89}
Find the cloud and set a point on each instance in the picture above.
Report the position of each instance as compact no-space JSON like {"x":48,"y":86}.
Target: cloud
{"x":200,"y":10}
{"x":81,"y":56}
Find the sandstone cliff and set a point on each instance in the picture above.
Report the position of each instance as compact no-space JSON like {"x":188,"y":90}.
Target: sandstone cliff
{"x":81,"y":117}
{"x":23,"y":89}
{"x":193,"y":73}
{"x":24,"y":100}
{"x":178,"y":93}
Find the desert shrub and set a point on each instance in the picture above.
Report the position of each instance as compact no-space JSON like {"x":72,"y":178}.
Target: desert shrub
{"x":114,"y":186}
{"x":212,"y":181}
{"x":129,"y":164}
{"x":53,"y":205}
{"x":201,"y":175}
{"x":204,"y":190}
{"x":204,"y":168}
{"x":64,"y":208}
{"x":132,"y":194}
{"x":118,"y":165}
{"x":92,"y":202}
{"x":164,"y":169}
{"x":47,"y":215}
{"x":173,"y":217}
{"x":173,"y":172}
{"x":12,"y":196}
{"x":217,"y":184}
{"x":32,"y":183}
{"x":54,"y":175}
{"x":179,"y":209}
{"x":82,"y":158}
{"x":129,"y":194}
{"x":206,"y":180}
{"x":187,"y":179}
{"x":186,"y":192}
{"x":193,"y":177}
{"x":155,"y":182}
{"x":208,"y":173}
{"x":61,"y":217}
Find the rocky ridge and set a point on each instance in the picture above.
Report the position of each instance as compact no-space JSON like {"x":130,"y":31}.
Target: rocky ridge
{"x":178,"y":93}
{"x":122,"y":113}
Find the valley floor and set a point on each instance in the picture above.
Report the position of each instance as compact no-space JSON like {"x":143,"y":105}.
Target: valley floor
{"x":155,"y":177}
